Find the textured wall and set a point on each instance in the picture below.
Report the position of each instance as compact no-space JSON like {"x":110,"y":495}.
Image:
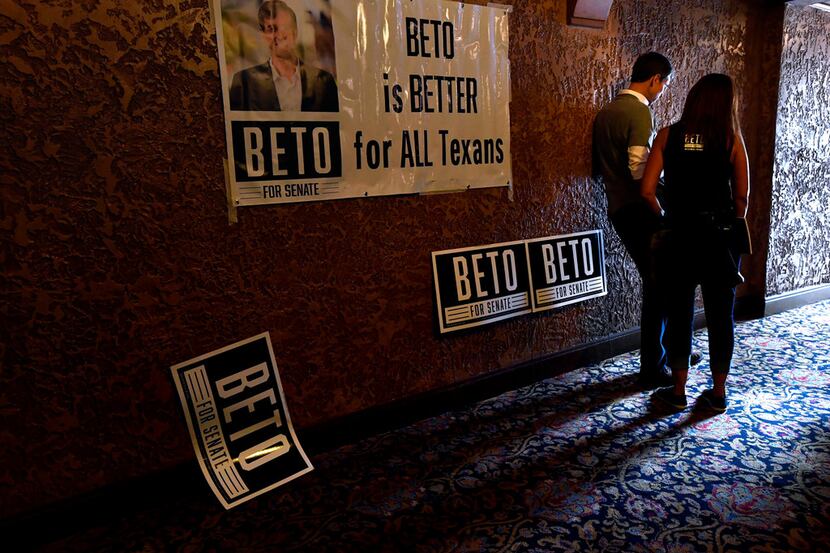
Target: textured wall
{"x":118,"y":259}
{"x":799,"y":254}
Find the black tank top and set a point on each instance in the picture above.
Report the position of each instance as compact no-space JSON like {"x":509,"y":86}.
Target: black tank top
{"x":698,"y":180}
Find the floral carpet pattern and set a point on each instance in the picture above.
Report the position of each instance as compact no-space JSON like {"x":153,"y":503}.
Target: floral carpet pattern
{"x":581,"y":462}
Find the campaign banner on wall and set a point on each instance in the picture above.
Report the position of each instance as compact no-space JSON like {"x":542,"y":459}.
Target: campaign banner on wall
{"x":483,"y":284}
{"x":238,"y":420}
{"x":326,"y":100}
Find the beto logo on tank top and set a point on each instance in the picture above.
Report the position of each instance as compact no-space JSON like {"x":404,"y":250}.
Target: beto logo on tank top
{"x":692,"y":142}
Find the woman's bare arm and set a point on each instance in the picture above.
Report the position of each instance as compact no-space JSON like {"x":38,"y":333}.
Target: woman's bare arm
{"x":740,"y":176}
{"x":654,"y":167}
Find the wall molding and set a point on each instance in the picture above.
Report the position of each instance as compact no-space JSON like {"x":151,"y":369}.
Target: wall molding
{"x":796,"y":298}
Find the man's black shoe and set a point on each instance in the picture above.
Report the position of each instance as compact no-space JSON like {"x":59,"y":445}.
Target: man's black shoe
{"x":695,"y":358}
{"x":655,"y":380}
{"x":667,"y":396}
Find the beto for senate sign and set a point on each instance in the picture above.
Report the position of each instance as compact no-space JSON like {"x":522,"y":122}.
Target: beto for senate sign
{"x":566,"y":269}
{"x":238,"y":421}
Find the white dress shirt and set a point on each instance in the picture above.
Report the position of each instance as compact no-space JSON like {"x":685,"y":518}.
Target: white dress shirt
{"x":289,"y":89}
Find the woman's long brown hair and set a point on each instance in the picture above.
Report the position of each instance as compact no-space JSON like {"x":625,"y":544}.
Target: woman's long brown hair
{"x":711,"y":110}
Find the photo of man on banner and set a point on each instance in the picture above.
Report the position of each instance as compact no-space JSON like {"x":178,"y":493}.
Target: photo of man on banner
{"x":297,"y":41}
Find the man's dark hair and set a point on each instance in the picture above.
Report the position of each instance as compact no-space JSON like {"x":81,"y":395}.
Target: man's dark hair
{"x":651,"y":64}
{"x":269,"y":9}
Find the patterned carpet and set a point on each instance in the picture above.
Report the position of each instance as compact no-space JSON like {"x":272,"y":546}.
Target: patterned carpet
{"x":582,"y":462}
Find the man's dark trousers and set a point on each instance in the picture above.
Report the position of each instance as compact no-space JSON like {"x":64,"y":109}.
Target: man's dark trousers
{"x":636,"y":224}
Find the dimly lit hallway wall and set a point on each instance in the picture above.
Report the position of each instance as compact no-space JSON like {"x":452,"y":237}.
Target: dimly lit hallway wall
{"x":799,"y":254}
{"x":118,"y":259}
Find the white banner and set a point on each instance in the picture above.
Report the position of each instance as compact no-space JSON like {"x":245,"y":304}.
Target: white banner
{"x":335,"y":99}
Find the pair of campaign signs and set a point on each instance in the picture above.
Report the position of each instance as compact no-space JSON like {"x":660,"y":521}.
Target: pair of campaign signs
{"x":484,"y":284}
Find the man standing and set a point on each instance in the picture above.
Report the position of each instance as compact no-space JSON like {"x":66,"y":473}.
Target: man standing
{"x":622,"y":135}
{"x":284,"y":82}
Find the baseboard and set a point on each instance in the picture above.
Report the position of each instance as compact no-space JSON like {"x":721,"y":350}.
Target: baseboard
{"x":357,"y":426}
{"x":107,"y":505}
{"x":797,"y":298}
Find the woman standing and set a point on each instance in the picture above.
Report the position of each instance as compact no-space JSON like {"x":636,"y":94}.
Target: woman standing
{"x":705,"y":197}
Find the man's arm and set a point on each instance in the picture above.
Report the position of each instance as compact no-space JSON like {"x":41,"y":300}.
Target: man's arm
{"x":637,"y":158}
{"x":639,"y":142}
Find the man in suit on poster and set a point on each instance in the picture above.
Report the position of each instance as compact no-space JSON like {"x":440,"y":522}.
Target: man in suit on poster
{"x":284,"y":82}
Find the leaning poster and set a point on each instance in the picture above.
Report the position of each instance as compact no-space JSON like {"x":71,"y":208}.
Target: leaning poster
{"x":327,"y":99}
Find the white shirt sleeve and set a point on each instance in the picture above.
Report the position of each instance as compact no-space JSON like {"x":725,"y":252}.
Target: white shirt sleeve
{"x":637,"y":157}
